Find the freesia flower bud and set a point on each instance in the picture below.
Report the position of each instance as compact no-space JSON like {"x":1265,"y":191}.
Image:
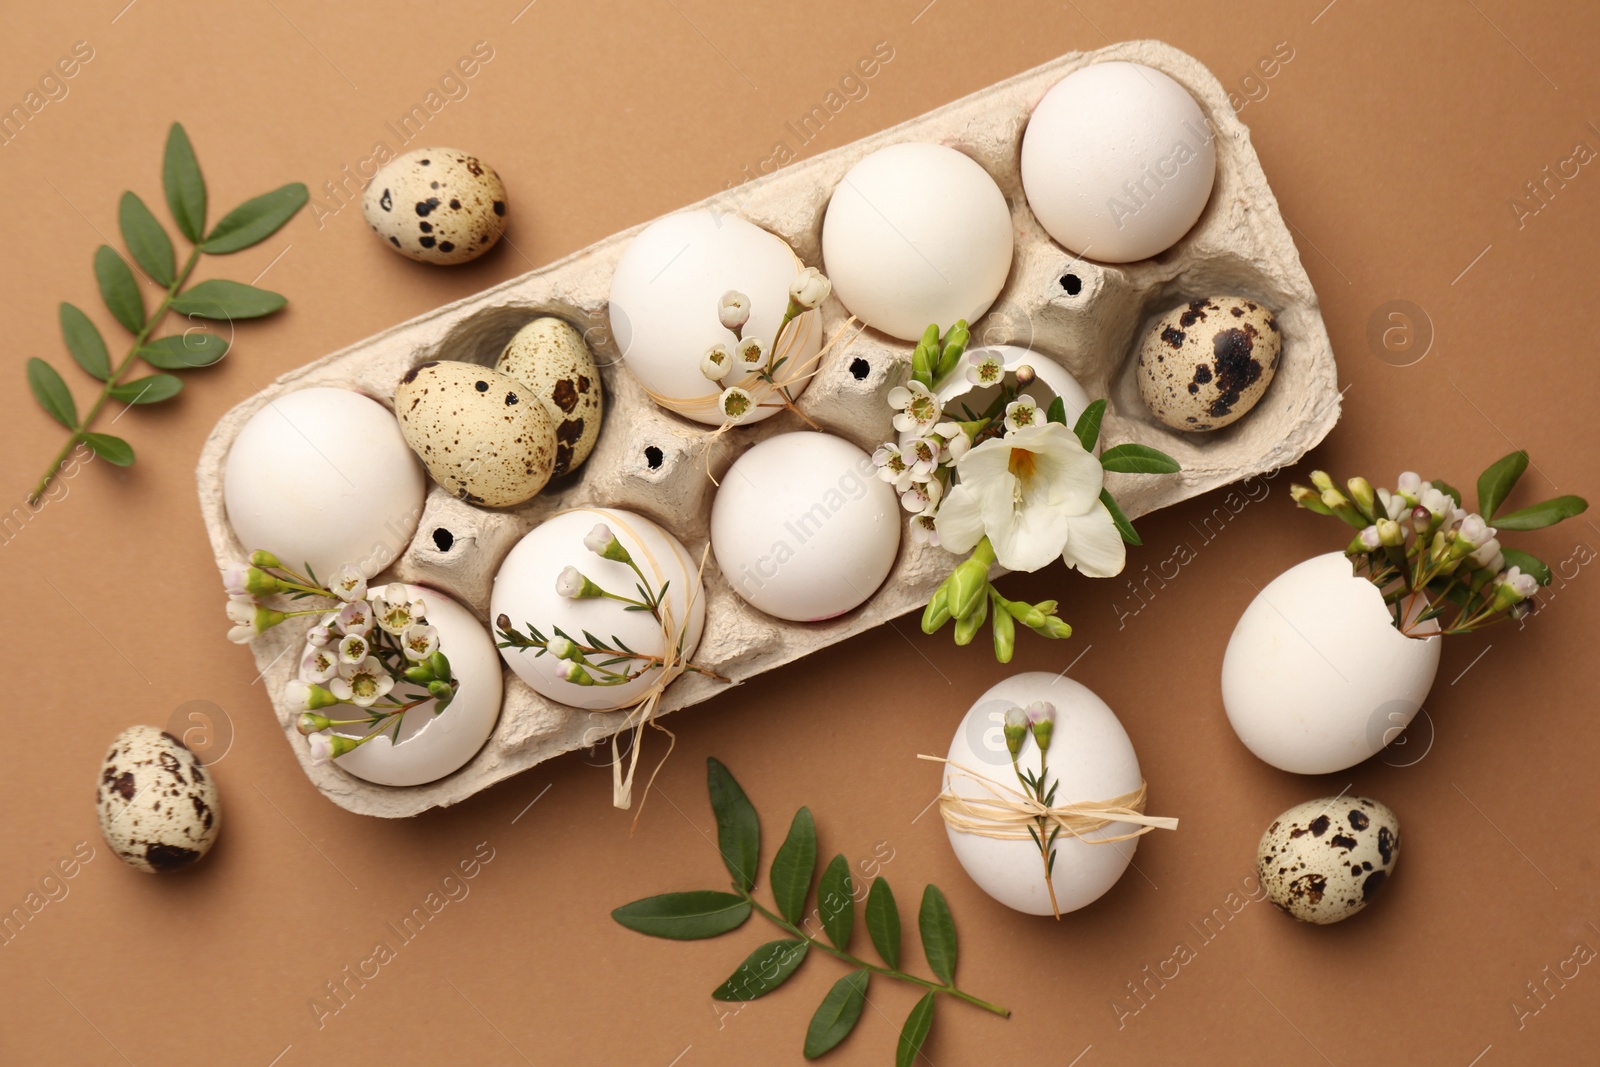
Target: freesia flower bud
{"x":969,"y":583}
{"x":1005,"y":636}
{"x":937,"y":613}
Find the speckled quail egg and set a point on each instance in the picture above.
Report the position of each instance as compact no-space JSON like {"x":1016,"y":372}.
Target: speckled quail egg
{"x":436,"y":205}
{"x":551,"y":359}
{"x":157,"y":804}
{"x":1323,"y":860}
{"x":482,"y":435}
{"x":1206,"y":363}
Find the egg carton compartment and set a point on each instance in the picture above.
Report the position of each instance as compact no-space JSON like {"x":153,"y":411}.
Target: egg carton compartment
{"x":1088,"y":316}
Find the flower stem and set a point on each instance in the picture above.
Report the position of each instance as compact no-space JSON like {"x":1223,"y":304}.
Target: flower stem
{"x":887,"y":972}
{"x":105,"y":393}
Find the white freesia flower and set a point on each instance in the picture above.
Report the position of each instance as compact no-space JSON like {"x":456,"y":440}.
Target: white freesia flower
{"x":811,"y":287}
{"x":1036,"y":495}
{"x":918,"y":410}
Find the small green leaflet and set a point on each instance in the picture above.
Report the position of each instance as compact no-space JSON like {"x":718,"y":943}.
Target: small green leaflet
{"x":184,"y":351}
{"x":1088,"y":426}
{"x":52,"y":393}
{"x":883,"y":921}
{"x":838,"y":1013}
{"x":84,"y":342}
{"x":225,"y":301}
{"x":1546,"y":513}
{"x":185,"y":188}
{"x":915,"y":1032}
{"x":147,"y":242}
{"x":794,"y":865}
{"x":118,"y":288}
{"x":764,"y":970}
{"x":836,"y":902}
{"x":1124,"y":527}
{"x":738,"y":829}
{"x":1496,"y":482}
{"x":150,"y":390}
{"x":1133,"y":458}
{"x":113,"y":450}
{"x":255,"y":220}
{"x":685,"y":916}
{"x":938,"y":931}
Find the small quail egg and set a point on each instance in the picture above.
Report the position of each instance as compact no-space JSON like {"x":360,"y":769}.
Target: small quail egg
{"x":436,"y":205}
{"x":482,"y":435}
{"x":552,"y":360}
{"x":1206,"y":363}
{"x":1323,"y":860}
{"x":157,"y":805}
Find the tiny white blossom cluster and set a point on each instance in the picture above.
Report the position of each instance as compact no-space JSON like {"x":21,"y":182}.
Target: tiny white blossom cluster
{"x":751,"y":356}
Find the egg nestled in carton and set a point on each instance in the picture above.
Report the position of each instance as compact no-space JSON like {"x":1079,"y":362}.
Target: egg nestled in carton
{"x":1204,"y":365}
{"x":496,"y":437}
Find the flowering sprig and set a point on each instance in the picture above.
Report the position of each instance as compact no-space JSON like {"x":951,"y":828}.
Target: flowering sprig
{"x":1014,"y":485}
{"x":1419,"y":540}
{"x":594,"y":660}
{"x":371,"y":650}
{"x":1039,"y":718}
{"x":750,"y":356}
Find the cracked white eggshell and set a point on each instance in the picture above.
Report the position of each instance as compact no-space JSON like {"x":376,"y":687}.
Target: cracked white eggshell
{"x":917,"y":233}
{"x":666,"y":290}
{"x":432,"y":746}
{"x":1118,"y":161}
{"x":1051,"y":380}
{"x":803,"y":528}
{"x":525,"y":591}
{"x":1316,"y":678}
{"x":1092,"y":758}
{"x":323,"y":476}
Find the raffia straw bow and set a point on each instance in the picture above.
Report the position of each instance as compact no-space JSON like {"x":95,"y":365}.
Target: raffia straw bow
{"x":1006,"y":814}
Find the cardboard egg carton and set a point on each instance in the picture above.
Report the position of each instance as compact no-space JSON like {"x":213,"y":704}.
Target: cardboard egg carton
{"x":1087,"y":316}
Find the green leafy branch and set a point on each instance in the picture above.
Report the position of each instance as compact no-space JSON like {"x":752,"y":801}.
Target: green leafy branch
{"x":707,"y":913}
{"x":151,"y":248}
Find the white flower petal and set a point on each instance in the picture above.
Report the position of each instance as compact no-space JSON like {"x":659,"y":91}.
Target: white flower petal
{"x":960,"y":520}
{"x":1031,"y":540}
{"x":1094,"y":546}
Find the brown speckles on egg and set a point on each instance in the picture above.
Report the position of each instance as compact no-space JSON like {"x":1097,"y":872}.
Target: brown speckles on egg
{"x":550,"y":357}
{"x":1317,"y":871}
{"x":1206,"y":363}
{"x":473,"y":433}
{"x":158,"y":809}
{"x":437,"y":206}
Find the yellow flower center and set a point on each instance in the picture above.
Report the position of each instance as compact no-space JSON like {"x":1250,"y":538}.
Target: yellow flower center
{"x":1022,"y":463}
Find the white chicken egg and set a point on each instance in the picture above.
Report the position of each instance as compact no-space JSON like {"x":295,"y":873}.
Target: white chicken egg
{"x":1091,"y":759}
{"x":323,"y":476}
{"x":1118,"y":162}
{"x":431,"y":746}
{"x":525,"y":595}
{"x":915,"y":234}
{"x":665,"y":294}
{"x":803,"y":528}
{"x":1316,"y":678}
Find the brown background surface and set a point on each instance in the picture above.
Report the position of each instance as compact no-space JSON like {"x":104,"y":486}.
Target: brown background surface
{"x":1395,"y":140}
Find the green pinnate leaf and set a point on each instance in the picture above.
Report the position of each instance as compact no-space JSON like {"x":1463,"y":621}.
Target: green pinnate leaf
{"x":147,"y":241}
{"x":794,"y":865}
{"x":1528,"y":564}
{"x":764,"y":970}
{"x":836,"y":902}
{"x":52,"y":393}
{"x":738,"y":828}
{"x":685,"y":916}
{"x":185,"y":351}
{"x":838,"y":1013}
{"x":1496,"y":483}
{"x":113,"y":450}
{"x":84,"y":342}
{"x":915,"y":1032}
{"x":1133,"y":458}
{"x":183,"y":184}
{"x":151,"y":390}
{"x":223,"y":300}
{"x":1088,"y":426}
{"x":1124,"y":527}
{"x":883,"y":921}
{"x":119,"y":288}
{"x":255,"y":220}
{"x":1546,"y":513}
{"x":938,"y":931}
